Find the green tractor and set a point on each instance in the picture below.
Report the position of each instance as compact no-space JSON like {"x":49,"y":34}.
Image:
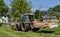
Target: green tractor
{"x":28,"y":22}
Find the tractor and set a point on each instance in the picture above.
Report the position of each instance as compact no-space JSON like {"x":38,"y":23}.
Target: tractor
{"x":25,"y":24}
{"x":28,"y":22}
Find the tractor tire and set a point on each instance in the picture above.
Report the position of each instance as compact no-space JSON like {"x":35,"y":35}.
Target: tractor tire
{"x":35,"y":29}
{"x":18,"y":27}
{"x":25,"y":27}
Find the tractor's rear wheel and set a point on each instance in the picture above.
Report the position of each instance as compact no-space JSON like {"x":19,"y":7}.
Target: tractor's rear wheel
{"x":25,"y":27}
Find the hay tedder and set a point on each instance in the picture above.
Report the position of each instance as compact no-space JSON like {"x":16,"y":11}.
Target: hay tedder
{"x":30,"y":23}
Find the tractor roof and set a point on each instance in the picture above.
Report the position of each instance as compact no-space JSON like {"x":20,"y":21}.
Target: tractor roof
{"x":47,"y":17}
{"x":29,"y":14}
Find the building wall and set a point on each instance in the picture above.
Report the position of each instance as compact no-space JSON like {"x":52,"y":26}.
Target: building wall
{"x":4,"y":19}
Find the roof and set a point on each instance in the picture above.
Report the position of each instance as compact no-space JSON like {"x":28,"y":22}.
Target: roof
{"x":29,"y":14}
{"x":57,"y":13}
{"x":49,"y":17}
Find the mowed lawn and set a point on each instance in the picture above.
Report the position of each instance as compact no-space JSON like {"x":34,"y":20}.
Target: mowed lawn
{"x":6,"y":31}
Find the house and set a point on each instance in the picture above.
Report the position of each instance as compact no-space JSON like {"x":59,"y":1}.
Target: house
{"x":3,"y":19}
{"x":6,"y":18}
{"x":46,"y":17}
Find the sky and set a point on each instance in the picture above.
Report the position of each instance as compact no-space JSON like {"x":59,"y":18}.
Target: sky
{"x":40,"y":4}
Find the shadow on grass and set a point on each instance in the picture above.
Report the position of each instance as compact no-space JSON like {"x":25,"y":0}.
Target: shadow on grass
{"x":45,"y":31}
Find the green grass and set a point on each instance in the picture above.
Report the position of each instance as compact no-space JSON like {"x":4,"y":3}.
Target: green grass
{"x":2,"y":34}
{"x":8,"y":32}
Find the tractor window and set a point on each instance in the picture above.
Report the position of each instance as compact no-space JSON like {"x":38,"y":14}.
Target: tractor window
{"x":31,"y":17}
{"x":24,"y":17}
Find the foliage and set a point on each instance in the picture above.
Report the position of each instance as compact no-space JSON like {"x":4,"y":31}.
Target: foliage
{"x":3,"y":8}
{"x":54,"y":9}
{"x":20,"y":7}
{"x":38,"y":14}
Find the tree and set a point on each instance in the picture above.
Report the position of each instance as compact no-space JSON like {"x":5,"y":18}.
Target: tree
{"x":55,"y":9}
{"x":38,"y":14}
{"x":20,"y":7}
{"x":3,"y":8}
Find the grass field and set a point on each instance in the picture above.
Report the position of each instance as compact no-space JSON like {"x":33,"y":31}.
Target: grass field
{"x":8,"y":32}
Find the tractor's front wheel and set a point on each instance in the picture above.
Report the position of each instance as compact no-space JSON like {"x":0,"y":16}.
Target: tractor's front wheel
{"x":16,"y":27}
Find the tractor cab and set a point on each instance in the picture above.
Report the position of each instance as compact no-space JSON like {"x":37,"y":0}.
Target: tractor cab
{"x":28,"y":18}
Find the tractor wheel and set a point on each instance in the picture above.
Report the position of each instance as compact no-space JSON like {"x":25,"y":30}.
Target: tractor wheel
{"x":18,"y":27}
{"x":25,"y":27}
{"x":35,"y":29}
